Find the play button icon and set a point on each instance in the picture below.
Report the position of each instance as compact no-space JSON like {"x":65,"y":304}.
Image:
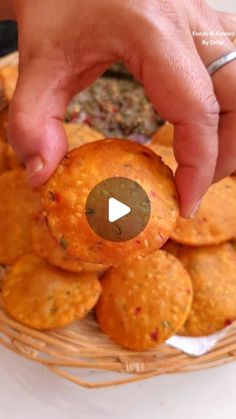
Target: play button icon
{"x":118,"y":209}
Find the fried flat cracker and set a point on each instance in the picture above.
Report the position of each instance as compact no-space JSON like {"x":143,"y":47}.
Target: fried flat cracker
{"x":46,"y":247}
{"x":81,"y":171}
{"x":143,"y":304}
{"x":166,"y":154}
{"x":172,"y":247}
{"x":18,"y":206}
{"x":9,"y":76}
{"x":3,"y":100}
{"x":3,"y":157}
{"x":13,"y":162}
{"x":215,"y":221}
{"x":3,"y":125}
{"x":164,"y":136}
{"x":213,"y":274}
{"x":3,"y":145}
{"x":79,"y":134}
{"x":44,"y":297}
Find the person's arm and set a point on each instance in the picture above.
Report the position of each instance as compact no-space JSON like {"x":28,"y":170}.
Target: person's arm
{"x":65,"y":45}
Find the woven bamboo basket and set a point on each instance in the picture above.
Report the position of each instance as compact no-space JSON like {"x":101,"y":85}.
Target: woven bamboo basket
{"x":67,"y":352}
{"x":82,"y":345}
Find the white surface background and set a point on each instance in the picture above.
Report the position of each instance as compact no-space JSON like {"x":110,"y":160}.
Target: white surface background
{"x":225,"y":5}
{"x":30,"y":391}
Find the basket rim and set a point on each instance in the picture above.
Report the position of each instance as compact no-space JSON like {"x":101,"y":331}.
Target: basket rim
{"x":50,"y":350}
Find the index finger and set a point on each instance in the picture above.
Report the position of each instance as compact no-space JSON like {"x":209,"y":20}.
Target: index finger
{"x":181,"y":90}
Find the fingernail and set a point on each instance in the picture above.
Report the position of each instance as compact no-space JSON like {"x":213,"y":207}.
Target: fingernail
{"x":34,"y":166}
{"x":195,"y":210}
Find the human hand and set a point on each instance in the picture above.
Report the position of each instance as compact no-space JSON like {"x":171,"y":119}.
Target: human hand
{"x":64,"y":46}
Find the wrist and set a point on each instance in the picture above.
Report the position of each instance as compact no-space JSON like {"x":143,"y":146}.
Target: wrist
{"x":7,"y":10}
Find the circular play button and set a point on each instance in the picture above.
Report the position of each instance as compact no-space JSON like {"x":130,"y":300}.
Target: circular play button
{"x":118,"y":209}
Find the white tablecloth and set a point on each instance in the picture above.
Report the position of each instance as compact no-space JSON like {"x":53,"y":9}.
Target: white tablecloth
{"x":225,"y":5}
{"x":30,"y":391}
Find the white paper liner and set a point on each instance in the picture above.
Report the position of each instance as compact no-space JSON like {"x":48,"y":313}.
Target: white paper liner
{"x":197,"y":346}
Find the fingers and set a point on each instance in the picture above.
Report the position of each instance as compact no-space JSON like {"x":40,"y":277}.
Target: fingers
{"x":37,"y":111}
{"x":224,"y":82}
{"x":181,"y":90}
{"x":35,"y":126}
{"x":225,"y":88}
{"x":228,"y":22}
{"x":50,"y":73}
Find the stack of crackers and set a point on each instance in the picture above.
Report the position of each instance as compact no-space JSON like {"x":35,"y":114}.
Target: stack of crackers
{"x":206,"y":247}
{"x":187,"y":287}
{"x":44,"y":289}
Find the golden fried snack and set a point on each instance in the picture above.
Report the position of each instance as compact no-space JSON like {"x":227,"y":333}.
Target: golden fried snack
{"x":166,"y":154}
{"x":213,"y":273}
{"x":81,"y":171}
{"x":12,"y":159}
{"x":3,"y":100}
{"x":79,"y":134}
{"x":9,"y":76}
{"x":46,"y":247}
{"x":172,"y":247}
{"x":3,"y":145}
{"x":44,"y":297}
{"x":215,"y":221}
{"x":13,"y":162}
{"x":143,"y":304}
{"x":3,"y":125}
{"x":18,"y":206}
{"x":164,"y":136}
{"x":3,"y":157}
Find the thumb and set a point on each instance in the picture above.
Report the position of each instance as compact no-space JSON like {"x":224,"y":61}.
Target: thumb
{"x":35,"y":121}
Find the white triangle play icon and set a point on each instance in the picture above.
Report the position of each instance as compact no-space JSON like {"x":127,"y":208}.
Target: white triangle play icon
{"x":117,"y":210}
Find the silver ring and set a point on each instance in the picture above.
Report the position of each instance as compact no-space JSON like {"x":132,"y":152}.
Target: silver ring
{"x":225,"y":59}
